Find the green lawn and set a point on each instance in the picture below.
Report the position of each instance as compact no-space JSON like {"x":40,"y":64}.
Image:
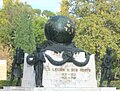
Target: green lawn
{"x":113,"y":84}
{"x":5,"y":83}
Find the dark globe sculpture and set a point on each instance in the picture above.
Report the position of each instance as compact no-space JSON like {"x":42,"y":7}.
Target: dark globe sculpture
{"x":60,"y":29}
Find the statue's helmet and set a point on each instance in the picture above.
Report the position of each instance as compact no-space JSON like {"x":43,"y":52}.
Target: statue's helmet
{"x":38,"y":47}
{"x":60,"y":29}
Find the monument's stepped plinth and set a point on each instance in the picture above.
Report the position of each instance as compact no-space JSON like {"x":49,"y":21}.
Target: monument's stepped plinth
{"x":57,"y":89}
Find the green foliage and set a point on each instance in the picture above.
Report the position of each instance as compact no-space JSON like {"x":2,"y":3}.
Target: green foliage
{"x":47,"y":14}
{"x":37,"y":12}
{"x":24,"y":35}
{"x":64,"y":8}
{"x":4,"y":30}
{"x":3,"y":83}
{"x":97,"y":26}
{"x":9,"y":22}
{"x":10,"y":15}
{"x":113,"y":84}
{"x":6,"y":83}
{"x":38,"y":29}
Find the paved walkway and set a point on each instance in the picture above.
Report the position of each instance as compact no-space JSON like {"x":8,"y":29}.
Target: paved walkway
{"x":116,"y":90}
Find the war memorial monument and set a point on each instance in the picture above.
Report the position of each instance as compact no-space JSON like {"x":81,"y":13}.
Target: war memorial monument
{"x":59,"y":65}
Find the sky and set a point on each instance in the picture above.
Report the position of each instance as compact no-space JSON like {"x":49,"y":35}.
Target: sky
{"x":0,"y":3}
{"x":52,"y":5}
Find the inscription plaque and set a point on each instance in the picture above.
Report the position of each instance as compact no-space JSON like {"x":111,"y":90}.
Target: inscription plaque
{"x":3,"y":70}
{"x":69,"y":75}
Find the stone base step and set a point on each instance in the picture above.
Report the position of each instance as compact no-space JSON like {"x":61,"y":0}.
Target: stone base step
{"x":58,"y":89}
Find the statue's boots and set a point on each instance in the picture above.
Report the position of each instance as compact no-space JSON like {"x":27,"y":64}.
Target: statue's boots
{"x":39,"y":83}
{"x":39,"y":86}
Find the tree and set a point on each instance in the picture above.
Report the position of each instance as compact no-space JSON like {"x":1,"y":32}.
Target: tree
{"x":64,"y":8}
{"x":10,"y":15}
{"x":4,"y":29}
{"x":38,"y":29}
{"x":5,"y":44}
{"x":97,"y":25}
{"x":47,"y":14}
{"x":24,"y":34}
{"x":37,"y":11}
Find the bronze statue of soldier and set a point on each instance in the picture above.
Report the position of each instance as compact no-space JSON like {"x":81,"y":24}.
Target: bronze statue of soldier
{"x":16,"y":67}
{"x":38,"y":66}
{"x":106,"y":67}
{"x":38,"y":60}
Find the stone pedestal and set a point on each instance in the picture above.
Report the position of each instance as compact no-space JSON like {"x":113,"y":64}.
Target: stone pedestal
{"x":67,"y":75}
{"x":28,"y":75}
